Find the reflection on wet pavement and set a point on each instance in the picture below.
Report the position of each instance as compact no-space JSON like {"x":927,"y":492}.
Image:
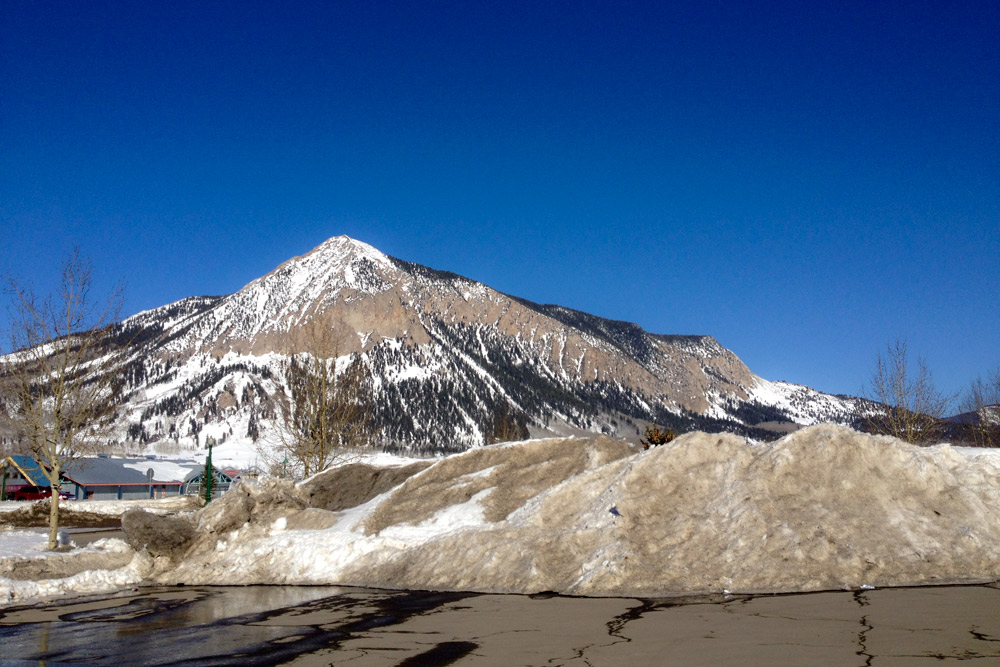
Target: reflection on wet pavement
{"x":267,"y":625}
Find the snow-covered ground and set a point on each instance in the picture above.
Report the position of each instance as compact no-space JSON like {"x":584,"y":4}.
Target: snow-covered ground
{"x":24,"y":543}
{"x":33,"y":542}
{"x":822,"y":508}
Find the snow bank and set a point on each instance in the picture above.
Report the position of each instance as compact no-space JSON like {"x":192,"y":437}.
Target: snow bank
{"x":822,"y":508}
{"x":91,"y":513}
{"x":168,"y":505}
{"x":104,"y":566}
{"x":91,"y":581}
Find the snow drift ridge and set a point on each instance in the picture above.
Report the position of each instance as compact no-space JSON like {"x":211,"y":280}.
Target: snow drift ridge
{"x":823,"y":508}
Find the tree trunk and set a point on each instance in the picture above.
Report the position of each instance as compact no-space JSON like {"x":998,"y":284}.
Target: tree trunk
{"x":54,"y":520}
{"x":54,"y":509}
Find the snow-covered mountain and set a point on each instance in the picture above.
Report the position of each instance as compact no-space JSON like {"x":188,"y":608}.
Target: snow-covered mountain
{"x":448,"y":358}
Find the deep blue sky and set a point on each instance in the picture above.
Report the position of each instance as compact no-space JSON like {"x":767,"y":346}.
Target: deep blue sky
{"x":804,"y":182}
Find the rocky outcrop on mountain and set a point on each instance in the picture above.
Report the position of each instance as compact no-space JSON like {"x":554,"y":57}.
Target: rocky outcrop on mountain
{"x":446,"y":359}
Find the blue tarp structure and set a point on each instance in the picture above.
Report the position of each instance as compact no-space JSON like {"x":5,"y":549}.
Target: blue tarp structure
{"x":29,"y":469}
{"x":20,"y":471}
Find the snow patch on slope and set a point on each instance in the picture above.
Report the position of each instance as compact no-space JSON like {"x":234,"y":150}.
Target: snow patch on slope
{"x":802,"y":404}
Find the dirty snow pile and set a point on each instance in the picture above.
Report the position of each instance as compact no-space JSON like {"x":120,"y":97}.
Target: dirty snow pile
{"x":823,"y":508}
{"x":28,"y":573}
{"x":168,"y":505}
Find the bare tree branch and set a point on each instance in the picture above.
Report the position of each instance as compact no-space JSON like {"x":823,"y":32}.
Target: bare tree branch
{"x":327,"y":417}
{"x":506,"y":424}
{"x":981,"y":407}
{"x":911,"y":407}
{"x":58,"y":389}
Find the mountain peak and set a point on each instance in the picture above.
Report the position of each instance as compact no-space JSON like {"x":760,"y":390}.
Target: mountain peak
{"x":345,"y":246}
{"x":337,"y":262}
{"x":452,"y":362}
{"x":334,"y":256}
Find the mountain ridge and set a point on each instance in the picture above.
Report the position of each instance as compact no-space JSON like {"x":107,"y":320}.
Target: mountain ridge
{"x":445,"y":355}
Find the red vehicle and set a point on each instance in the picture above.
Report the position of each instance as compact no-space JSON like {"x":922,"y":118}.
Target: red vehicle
{"x":36,"y":493}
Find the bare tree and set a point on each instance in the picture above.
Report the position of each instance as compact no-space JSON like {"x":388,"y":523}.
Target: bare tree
{"x":327,"y":417}
{"x":981,"y":407}
{"x":58,"y":389}
{"x":910,"y":407}
{"x":656,"y":437}
{"x":506,"y":424}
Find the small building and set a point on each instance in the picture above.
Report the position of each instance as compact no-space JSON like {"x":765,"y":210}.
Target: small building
{"x":222,"y":481}
{"x":106,"y":478}
{"x":117,"y":479}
